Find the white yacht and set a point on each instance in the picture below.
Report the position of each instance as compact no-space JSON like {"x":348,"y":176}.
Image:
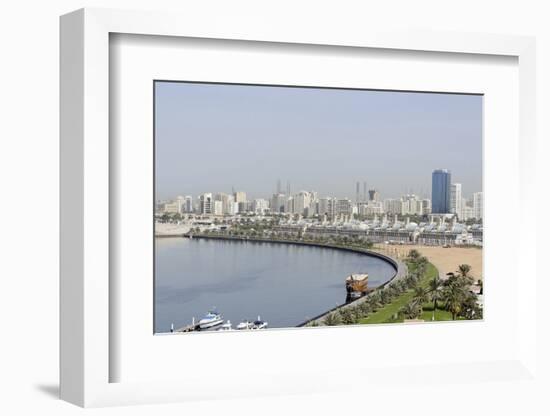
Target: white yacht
{"x":244,"y":325}
{"x":210,"y":320}
{"x":226,"y":326}
{"x":259,"y":324}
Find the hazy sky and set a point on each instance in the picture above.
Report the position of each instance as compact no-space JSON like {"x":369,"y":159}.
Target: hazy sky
{"x":210,"y":138}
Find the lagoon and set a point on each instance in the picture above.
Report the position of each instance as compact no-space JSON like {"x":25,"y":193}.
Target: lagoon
{"x":285,"y":284}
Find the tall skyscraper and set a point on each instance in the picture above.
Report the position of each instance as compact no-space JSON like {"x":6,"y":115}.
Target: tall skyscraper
{"x":374,"y":195}
{"x":478,"y":205}
{"x":278,"y":202}
{"x":239,"y":196}
{"x":441,"y":191}
{"x":205,"y":201}
{"x":327,"y":206}
{"x":456,"y":199}
{"x":302,"y":201}
{"x":188,"y":206}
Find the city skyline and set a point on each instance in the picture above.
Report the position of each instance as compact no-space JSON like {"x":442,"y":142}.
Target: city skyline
{"x":268,"y":196}
{"x":215,"y":138}
{"x":365,"y":193}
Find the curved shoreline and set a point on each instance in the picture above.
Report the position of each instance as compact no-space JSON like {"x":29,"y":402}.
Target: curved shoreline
{"x":399,"y":267}
{"x":390,"y":260}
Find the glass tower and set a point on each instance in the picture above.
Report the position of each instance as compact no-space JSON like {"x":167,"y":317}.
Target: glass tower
{"x":441,"y":191}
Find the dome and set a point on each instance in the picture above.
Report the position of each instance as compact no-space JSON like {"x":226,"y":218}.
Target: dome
{"x":411,"y":226}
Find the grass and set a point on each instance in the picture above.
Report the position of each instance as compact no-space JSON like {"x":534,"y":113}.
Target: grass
{"x":388,"y":312}
{"x":440,"y":314}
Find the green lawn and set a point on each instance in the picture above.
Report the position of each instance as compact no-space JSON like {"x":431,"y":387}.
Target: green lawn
{"x":387,"y":312}
{"x":440,"y":314}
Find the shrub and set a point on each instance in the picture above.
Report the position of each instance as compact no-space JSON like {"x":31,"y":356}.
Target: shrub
{"x":333,"y":319}
{"x":348,"y":317}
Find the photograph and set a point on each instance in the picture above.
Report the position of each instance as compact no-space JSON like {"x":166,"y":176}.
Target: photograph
{"x":288,"y":206}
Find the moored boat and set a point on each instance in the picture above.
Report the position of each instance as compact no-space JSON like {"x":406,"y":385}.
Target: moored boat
{"x":259,"y":324}
{"x":244,"y":325}
{"x":357,"y":285}
{"x":226,"y":326}
{"x":210,"y":320}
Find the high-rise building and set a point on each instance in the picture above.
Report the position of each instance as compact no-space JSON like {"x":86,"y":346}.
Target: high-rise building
{"x":217,"y":207}
{"x":260,"y":206}
{"x":302,"y":201}
{"x":467,"y":213}
{"x":411,"y":205}
{"x":344,"y":206}
{"x":205,"y":203}
{"x":188,"y":203}
{"x":374,"y":195}
{"x":240,"y":200}
{"x":278,"y":202}
{"x":441,"y":191}
{"x":240,"y":196}
{"x":456,"y":199}
{"x":426,"y":206}
{"x":228,"y":202}
{"x":289,"y":204}
{"x":327,"y":206}
{"x":393,"y":206}
{"x":478,"y":205}
{"x":180,"y":201}
{"x":370,"y":208}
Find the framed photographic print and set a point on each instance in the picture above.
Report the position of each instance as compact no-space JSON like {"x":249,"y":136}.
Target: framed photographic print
{"x":282,"y":214}
{"x":310,"y":255}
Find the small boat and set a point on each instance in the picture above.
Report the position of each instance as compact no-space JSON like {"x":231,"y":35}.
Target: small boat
{"x":357,"y":285}
{"x":210,"y":320}
{"x":244,"y":325}
{"x":226,"y":326}
{"x":259,"y":324}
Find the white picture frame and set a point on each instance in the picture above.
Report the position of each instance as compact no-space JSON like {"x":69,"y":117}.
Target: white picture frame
{"x":87,"y":302}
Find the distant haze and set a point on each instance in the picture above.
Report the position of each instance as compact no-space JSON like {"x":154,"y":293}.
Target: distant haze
{"x":212,"y":137}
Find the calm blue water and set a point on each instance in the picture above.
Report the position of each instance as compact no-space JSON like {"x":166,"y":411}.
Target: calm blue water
{"x":285,"y":284}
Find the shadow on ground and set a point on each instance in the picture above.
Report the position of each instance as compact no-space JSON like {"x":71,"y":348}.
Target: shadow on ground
{"x":51,"y":390}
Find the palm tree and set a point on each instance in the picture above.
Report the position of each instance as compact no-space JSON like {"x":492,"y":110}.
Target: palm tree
{"x":411,"y":310}
{"x":454,"y":294}
{"x":464,"y":270}
{"x":385,"y":296}
{"x":464,"y":275}
{"x":434,"y":290}
{"x":414,"y":254}
{"x":420,"y":295}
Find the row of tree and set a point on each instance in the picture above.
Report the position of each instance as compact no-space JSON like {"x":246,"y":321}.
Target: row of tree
{"x":264,"y":231}
{"x":453,"y":294}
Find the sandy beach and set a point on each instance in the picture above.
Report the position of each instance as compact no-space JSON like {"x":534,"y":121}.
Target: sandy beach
{"x":445,"y":259}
